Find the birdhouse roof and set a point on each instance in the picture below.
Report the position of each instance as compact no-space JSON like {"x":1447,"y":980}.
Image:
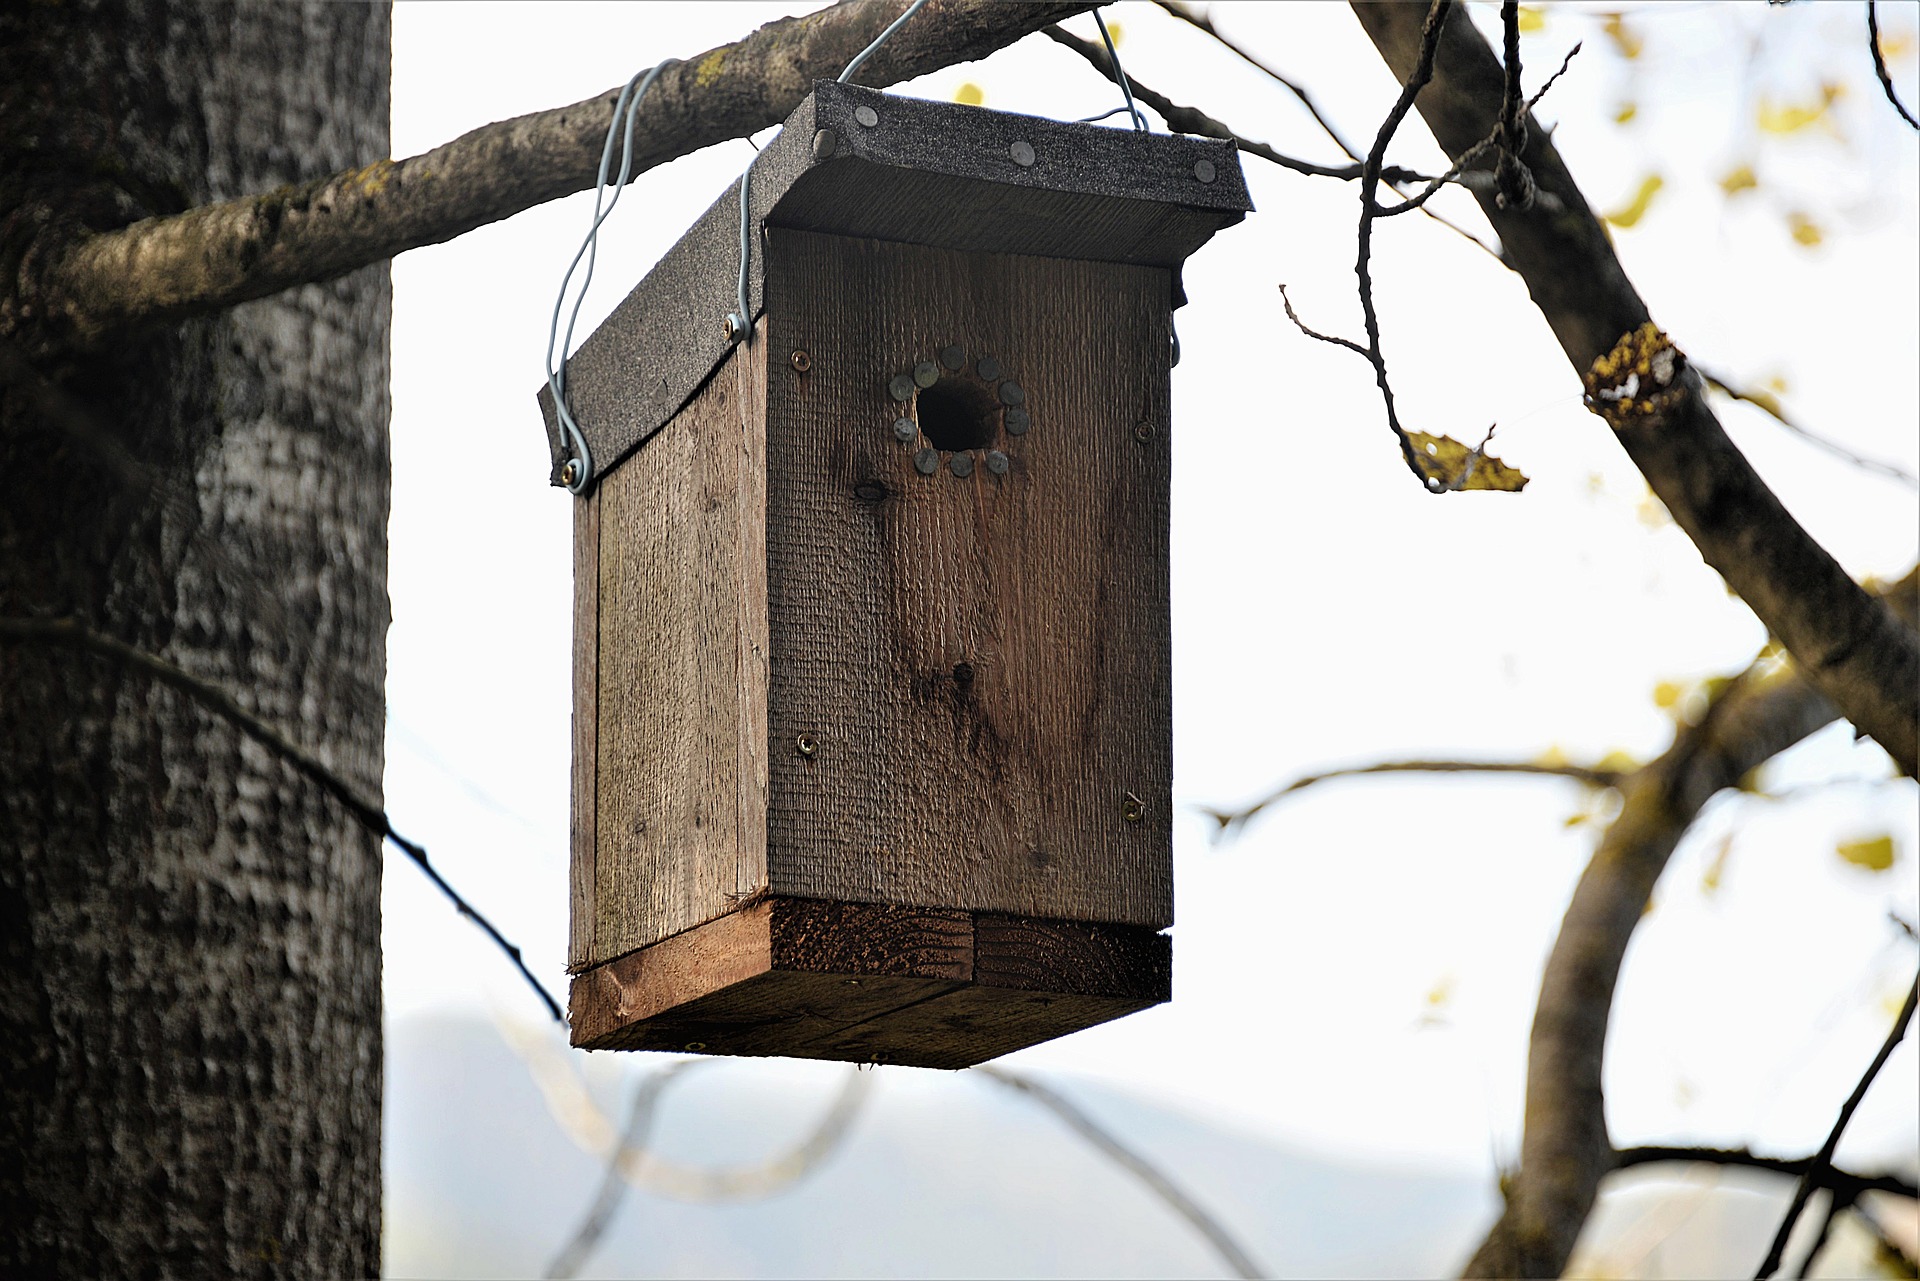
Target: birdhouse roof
{"x":929,"y":173}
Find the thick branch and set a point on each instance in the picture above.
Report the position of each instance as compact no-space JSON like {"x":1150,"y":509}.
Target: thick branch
{"x":1565,"y":1151}
{"x":212,"y":257}
{"x":1848,"y":644}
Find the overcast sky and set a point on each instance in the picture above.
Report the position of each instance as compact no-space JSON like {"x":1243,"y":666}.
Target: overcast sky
{"x":1357,"y":971}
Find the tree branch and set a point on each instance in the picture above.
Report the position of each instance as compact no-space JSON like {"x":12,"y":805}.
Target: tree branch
{"x":80,"y":290}
{"x":1592,"y":775}
{"x":1133,"y":1163}
{"x":1850,"y":645}
{"x":1565,"y":1151}
{"x":1847,"y":1184}
{"x":74,"y":634}
{"x":1767,"y":405}
{"x":1880,"y":64}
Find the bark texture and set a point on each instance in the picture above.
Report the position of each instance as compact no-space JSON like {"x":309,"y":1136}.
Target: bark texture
{"x":1848,"y":643}
{"x":190,"y":1057}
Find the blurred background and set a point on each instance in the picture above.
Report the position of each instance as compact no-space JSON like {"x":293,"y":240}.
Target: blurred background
{"x":1338,"y":1079}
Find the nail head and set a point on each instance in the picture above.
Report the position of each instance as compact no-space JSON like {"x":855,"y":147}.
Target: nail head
{"x":824,"y":143}
{"x":926,"y":462}
{"x":1143,"y":432}
{"x":1011,"y":393}
{"x":989,"y":368}
{"x":954,"y":358}
{"x":1022,"y":153}
{"x":996,"y":462}
{"x":801,"y":362}
{"x":926,"y":374}
{"x":962,"y":464}
{"x":806,"y":745}
{"x":901,"y":388}
{"x":905,"y":429}
{"x":866,"y":116}
{"x":1017,"y":422}
{"x":1203,"y":170}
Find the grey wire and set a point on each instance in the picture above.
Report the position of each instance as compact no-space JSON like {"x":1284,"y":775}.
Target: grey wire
{"x":628,"y":105}
{"x":1088,"y":120}
{"x":740,"y":322}
{"x":1126,"y":90}
{"x":879,"y":40}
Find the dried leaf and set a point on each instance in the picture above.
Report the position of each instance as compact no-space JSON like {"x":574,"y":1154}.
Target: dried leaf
{"x":1805,"y":230}
{"x":1636,"y":208}
{"x":1533,"y":21}
{"x":1459,"y":467}
{"x":1626,"y":41}
{"x":1738,"y":179}
{"x":1668,"y":694}
{"x":1625,"y":112}
{"x":1117,"y":32}
{"x":1875,"y":853}
{"x":969,"y":94}
{"x":1791,"y":117}
{"x":1618,"y":762}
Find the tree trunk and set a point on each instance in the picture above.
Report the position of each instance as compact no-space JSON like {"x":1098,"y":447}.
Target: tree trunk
{"x":190,"y":1058}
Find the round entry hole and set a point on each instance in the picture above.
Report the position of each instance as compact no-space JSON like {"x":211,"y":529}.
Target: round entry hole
{"x":957,"y":415}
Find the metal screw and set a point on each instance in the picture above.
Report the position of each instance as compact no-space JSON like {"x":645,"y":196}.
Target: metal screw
{"x":925,"y":374}
{"x":823,"y":144}
{"x":1203,"y":170}
{"x":735,"y":327}
{"x":570,"y":472}
{"x":1011,"y":393}
{"x":1143,"y":432}
{"x":905,"y":429}
{"x":953,"y":357}
{"x":1022,"y":153}
{"x":901,"y":388}
{"x":866,"y":116}
{"x":806,"y":745}
{"x":694,"y":1047}
{"x":962,"y":464}
{"x":1133,"y":809}
{"x":989,"y":368}
{"x":1018,"y":422}
{"x":802,"y":362}
{"x":926,"y":462}
{"x":996,"y":462}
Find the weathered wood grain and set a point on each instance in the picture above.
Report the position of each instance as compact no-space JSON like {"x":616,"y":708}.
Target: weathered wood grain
{"x":981,"y":663}
{"x":586,"y":698}
{"x":682,"y":669}
{"x":869,"y":983}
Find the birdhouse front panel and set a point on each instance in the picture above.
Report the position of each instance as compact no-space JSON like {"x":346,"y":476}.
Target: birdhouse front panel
{"x":872,"y":754}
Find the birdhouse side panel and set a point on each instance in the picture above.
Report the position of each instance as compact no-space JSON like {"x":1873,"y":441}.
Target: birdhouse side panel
{"x":680,"y":763}
{"x":969,"y":702}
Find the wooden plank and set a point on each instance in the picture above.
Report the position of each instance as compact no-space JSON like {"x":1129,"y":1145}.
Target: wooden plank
{"x":586,"y":697}
{"x":682,"y":669}
{"x":982,"y":663}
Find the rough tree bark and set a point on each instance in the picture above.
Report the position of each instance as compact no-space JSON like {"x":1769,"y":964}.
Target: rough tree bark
{"x":190,"y":1054}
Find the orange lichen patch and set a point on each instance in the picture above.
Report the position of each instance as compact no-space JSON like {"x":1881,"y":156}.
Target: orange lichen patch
{"x":1643,"y":375}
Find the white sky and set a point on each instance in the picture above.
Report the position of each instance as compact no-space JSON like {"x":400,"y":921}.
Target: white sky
{"x":1325,"y":610}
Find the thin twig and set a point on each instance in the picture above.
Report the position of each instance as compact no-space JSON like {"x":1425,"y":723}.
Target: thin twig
{"x":74,"y":634}
{"x":1591,"y":775}
{"x":1767,"y":405}
{"x":633,"y":1140}
{"x":1301,"y":325}
{"x":1513,"y":181}
{"x":1204,"y":22}
{"x":1835,"y":1205}
{"x":1842,"y":1181}
{"x":1880,"y":64}
{"x":1133,"y":1163}
{"x":1824,"y":1157}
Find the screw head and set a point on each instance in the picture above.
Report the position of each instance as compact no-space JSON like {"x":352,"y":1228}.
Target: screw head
{"x":694,"y":1047}
{"x":1133,"y":809}
{"x":1143,"y":432}
{"x":954,"y":358}
{"x":905,"y":429}
{"x":1018,"y":422}
{"x":806,"y":745}
{"x":996,"y":462}
{"x":925,"y":374}
{"x":570,"y":472}
{"x":926,"y":462}
{"x":1022,"y":153}
{"x":1203,"y":170}
{"x":866,"y":116}
{"x":801,"y":362}
{"x":824,"y":143}
{"x":962,"y":464}
{"x":901,"y":388}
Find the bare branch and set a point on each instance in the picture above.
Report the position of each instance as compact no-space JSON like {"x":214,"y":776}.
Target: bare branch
{"x":1157,"y":1182}
{"x":1846,"y":642}
{"x":74,"y":634}
{"x":1302,"y":326}
{"x":1187,"y":13}
{"x":1591,"y":775}
{"x":1565,"y":1151}
{"x":212,"y":257}
{"x":1771,"y":408}
{"x":1823,"y":1159}
{"x":1880,"y":64}
{"x":633,"y":1141}
{"x":1847,"y":1184}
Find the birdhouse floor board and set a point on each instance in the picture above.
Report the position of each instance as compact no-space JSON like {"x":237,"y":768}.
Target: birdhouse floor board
{"x":870,"y":984}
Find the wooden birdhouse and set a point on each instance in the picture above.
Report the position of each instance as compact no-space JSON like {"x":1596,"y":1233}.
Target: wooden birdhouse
{"x":872,"y":740}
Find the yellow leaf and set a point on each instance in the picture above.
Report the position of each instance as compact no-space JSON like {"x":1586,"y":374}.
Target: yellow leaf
{"x":1636,"y":208}
{"x":969,"y":95}
{"x":1618,"y":762}
{"x":1738,"y":179}
{"x":1533,"y":21}
{"x":1626,"y":41}
{"x":1552,"y":757}
{"x":1459,"y":467}
{"x":1791,"y":117}
{"x":1805,"y":230}
{"x":1667,"y":694}
{"x":1894,"y":45}
{"x":1117,"y":33}
{"x":1578,"y":820}
{"x":1625,"y":112}
{"x":1779,"y":383}
{"x":1875,"y":853}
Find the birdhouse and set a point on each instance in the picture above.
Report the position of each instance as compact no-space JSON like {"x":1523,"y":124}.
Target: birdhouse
{"x":872,"y":726}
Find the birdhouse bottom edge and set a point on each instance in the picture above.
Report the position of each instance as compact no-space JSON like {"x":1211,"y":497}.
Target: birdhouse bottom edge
{"x":869,"y":983}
